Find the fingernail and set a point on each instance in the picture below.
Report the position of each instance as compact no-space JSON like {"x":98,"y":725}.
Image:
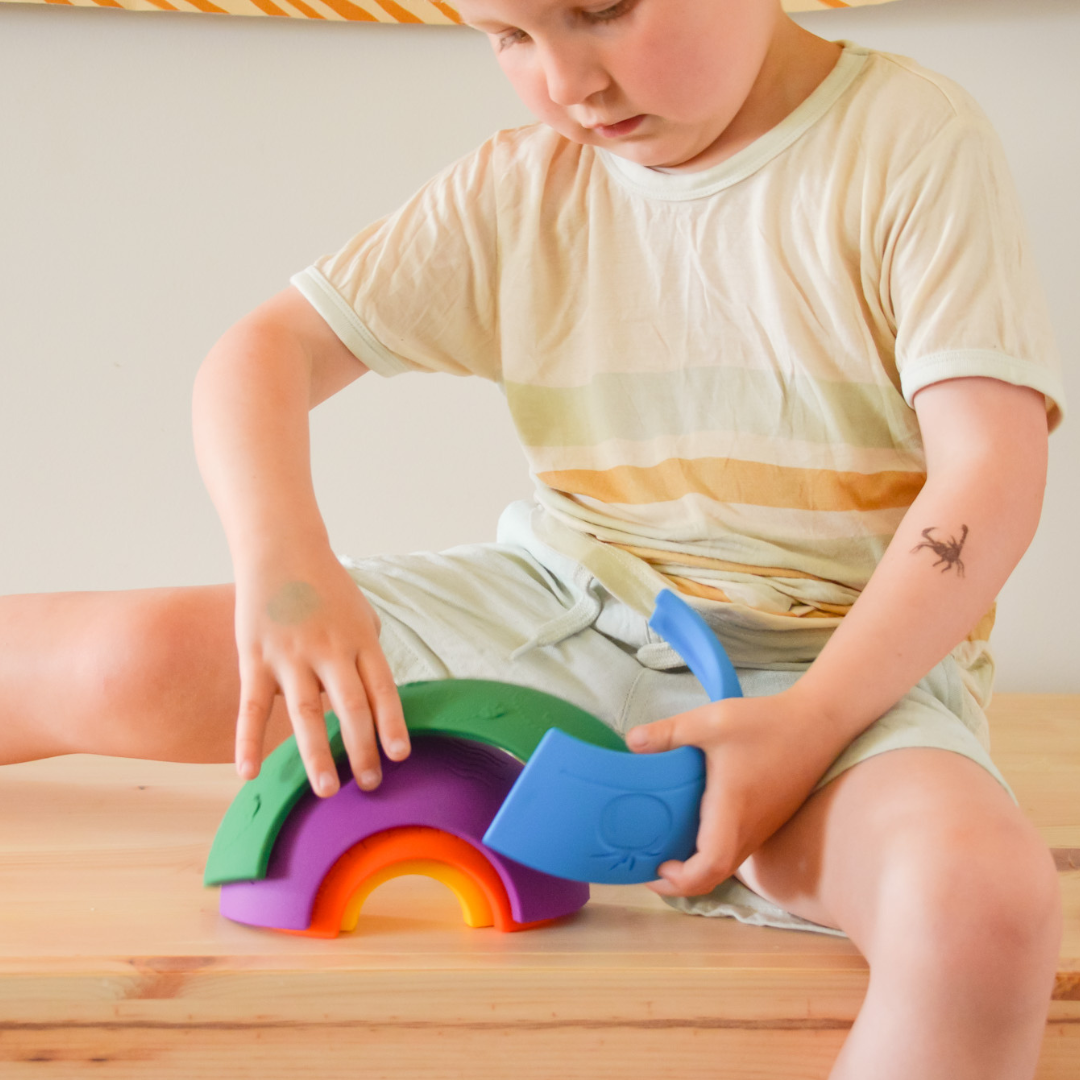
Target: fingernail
{"x":246,"y":769}
{"x":369,"y":779}
{"x":636,"y":738}
{"x":399,"y":748}
{"x":327,"y":783}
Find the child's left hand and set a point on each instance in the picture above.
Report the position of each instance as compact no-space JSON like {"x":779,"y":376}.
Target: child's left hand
{"x":763,"y":757}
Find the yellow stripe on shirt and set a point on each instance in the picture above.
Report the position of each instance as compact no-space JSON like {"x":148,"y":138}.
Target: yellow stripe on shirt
{"x":655,"y":555}
{"x":750,"y":483}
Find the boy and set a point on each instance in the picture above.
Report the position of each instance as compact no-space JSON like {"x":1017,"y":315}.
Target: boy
{"x":763,"y":314}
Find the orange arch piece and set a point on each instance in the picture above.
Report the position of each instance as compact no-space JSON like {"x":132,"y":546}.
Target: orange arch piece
{"x":413,"y":849}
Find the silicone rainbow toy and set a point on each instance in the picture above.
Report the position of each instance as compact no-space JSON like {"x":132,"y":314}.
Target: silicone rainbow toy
{"x":288,"y":860}
{"x":517,"y":845}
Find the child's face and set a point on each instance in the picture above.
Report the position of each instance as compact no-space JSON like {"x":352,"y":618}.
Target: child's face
{"x":654,"y":81}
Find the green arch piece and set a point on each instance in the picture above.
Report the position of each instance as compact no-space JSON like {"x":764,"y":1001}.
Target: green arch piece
{"x":512,"y":718}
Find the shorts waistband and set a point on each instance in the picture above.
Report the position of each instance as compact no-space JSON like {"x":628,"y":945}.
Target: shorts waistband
{"x":752,"y":639}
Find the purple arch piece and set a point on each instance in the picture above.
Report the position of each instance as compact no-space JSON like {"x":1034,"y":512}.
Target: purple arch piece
{"x":445,"y":783}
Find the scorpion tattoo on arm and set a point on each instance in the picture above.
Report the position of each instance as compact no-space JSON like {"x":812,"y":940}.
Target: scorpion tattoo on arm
{"x":948,"y":552}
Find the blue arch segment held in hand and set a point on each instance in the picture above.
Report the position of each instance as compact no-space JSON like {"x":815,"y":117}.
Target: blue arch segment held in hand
{"x":689,"y":635}
{"x":589,"y":814}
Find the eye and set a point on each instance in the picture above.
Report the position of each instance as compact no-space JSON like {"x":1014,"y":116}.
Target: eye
{"x":605,"y":15}
{"x":609,"y":14}
{"x":511,"y":37}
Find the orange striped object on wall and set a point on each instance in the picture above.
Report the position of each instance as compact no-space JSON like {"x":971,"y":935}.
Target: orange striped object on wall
{"x":436,"y":12}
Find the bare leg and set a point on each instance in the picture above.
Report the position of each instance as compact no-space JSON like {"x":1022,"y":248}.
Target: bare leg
{"x":949,"y":892}
{"x":148,"y":673}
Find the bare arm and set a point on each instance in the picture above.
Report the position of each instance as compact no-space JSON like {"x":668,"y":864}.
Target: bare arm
{"x":986,"y":448}
{"x":302,"y":625}
{"x":986,"y":455}
{"x":251,"y":403}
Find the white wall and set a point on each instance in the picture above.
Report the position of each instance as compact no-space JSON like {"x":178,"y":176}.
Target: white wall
{"x":162,"y":174}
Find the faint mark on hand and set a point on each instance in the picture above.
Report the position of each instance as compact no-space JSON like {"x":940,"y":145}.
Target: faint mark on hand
{"x":948,"y":551}
{"x":293,"y":603}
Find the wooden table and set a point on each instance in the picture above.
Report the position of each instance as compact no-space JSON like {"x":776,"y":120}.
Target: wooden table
{"x":114,"y":961}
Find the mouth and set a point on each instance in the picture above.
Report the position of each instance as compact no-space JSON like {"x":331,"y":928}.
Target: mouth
{"x":623,"y":127}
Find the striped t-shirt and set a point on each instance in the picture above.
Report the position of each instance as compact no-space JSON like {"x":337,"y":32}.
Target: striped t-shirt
{"x":711,"y":373}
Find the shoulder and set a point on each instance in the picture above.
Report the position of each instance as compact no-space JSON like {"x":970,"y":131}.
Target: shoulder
{"x":902,"y":80}
{"x":904,"y":110}
{"x":516,"y":161}
{"x":536,"y":152}
{"x":510,"y":157}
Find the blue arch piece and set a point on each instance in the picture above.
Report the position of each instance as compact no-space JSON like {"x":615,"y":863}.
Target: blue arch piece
{"x":581,"y":812}
{"x":590,"y":814}
{"x":689,"y":635}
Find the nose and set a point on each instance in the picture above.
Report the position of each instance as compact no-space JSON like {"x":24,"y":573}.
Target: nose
{"x":573,"y":74}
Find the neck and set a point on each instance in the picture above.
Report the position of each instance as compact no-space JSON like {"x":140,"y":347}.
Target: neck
{"x":794,"y":67}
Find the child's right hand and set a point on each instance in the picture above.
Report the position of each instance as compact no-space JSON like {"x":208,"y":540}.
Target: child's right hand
{"x":301,"y":631}
{"x":303,"y":628}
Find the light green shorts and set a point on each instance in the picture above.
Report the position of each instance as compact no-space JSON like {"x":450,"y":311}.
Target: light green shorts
{"x":524,"y":613}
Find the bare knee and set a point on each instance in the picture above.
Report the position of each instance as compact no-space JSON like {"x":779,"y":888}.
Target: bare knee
{"x":980,"y":907}
{"x":158,"y":670}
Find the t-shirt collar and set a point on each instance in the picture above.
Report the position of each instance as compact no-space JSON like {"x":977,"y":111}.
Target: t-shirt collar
{"x":680,"y":186}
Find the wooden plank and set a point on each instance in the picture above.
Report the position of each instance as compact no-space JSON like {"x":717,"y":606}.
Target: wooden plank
{"x":114,"y":961}
{"x":627,"y":1053}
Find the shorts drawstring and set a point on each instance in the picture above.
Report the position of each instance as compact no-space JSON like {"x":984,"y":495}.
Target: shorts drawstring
{"x":572,"y":621}
{"x":659,"y":656}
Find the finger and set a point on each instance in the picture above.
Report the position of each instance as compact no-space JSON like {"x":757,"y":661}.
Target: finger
{"x":257,"y":690}
{"x":687,"y":729}
{"x":304,"y":702}
{"x":698,"y":875}
{"x":385,"y":700}
{"x":716,"y":847}
{"x":349,"y":700}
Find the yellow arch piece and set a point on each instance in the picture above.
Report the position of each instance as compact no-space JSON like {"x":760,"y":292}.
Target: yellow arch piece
{"x":475,"y":909}
{"x":411,"y":849}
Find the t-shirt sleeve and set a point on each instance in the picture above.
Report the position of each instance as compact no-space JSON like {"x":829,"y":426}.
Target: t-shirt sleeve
{"x":960,"y":275}
{"x":416,"y":291}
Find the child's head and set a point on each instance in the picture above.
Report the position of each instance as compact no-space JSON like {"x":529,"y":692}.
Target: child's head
{"x":670,"y":75}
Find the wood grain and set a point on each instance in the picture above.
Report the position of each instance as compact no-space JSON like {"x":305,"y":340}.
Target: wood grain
{"x":115,"y":963}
